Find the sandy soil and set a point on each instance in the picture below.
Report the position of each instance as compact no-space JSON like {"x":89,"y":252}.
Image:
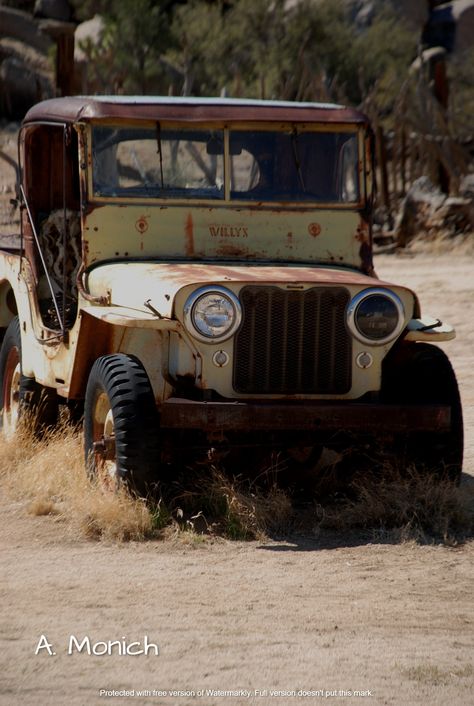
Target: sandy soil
{"x":393,"y":622}
{"x":348,"y":618}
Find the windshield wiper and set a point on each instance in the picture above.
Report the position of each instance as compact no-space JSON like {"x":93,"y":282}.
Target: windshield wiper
{"x":159,"y":151}
{"x":294,"y":143}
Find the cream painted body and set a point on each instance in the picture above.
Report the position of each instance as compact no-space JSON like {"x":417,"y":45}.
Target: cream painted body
{"x":167,"y":350}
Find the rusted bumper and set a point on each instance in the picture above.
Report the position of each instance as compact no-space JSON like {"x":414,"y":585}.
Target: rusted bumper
{"x":299,"y":416}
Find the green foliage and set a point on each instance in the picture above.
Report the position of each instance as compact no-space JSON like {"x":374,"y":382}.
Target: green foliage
{"x":385,"y":52}
{"x":85,"y":9}
{"x":307,"y":50}
{"x":128,"y":57}
{"x":262,"y":49}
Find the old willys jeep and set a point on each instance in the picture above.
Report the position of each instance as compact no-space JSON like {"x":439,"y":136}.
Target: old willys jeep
{"x":197,"y":273}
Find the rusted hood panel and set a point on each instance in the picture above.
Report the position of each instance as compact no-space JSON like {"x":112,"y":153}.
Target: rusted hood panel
{"x":131,"y":284}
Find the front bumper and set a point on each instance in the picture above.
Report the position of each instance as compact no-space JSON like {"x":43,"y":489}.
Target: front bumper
{"x":376,"y":418}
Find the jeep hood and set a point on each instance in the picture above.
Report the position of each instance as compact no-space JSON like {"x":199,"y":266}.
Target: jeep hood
{"x":131,"y":284}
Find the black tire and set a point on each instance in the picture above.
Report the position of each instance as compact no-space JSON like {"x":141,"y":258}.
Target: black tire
{"x":121,"y":424}
{"x":22,"y":397}
{"x":422,"y":374}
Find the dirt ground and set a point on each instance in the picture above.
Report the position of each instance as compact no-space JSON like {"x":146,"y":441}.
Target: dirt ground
{"x":348,"y":618}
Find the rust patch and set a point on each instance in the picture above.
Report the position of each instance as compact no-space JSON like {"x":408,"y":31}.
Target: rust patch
{"x":226,"y":250}
{"x":363,"y":236}
{"x":189,"y":231}
{"x":233,"y":416}
{"x":95,"y":338}
{"x":142,"y":224}
{"x":182,"y":274}
{"x":314,"y":229}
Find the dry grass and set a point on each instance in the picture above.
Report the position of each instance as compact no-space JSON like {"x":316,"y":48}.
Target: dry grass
{"x":403,"y":504}
{"x":241,"y":509}
{"x":432,"y":675}
{"x":389,"y":505}
{"x":49,"y":474}
{"x":441,"y":243}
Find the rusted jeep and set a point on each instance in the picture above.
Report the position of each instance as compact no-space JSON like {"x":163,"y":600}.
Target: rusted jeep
{"x":197,"y":273}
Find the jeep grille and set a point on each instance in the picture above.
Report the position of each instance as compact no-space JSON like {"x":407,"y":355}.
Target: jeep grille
{"x":293,"y":342}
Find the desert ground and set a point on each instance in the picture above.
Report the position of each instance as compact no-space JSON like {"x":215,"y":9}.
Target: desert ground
{"x":323,"y":617}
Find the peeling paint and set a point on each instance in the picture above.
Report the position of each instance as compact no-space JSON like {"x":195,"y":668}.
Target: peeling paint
{"x":363,"y":236}
{"x":189,"y":231}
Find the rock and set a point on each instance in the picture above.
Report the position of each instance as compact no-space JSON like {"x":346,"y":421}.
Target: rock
{"x":427,"y":211}
{"x":90,"y":33}
{"x":451,"y":25}
{"x":419,"y":205}
{"x":466,"y":187}
{"x":88,"y":36}
{"x":21,"y":88}
{"x":456,"y":216}
{"x":21,"y":26}
{"x":53,"y":9}
{"x":414,"y":11}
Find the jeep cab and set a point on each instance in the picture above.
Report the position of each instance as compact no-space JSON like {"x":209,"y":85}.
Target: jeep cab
{"x":198,"y":273}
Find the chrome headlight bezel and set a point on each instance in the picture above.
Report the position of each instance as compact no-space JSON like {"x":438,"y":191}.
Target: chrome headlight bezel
{"x":361,"y":297}
{"x":190,"y":308}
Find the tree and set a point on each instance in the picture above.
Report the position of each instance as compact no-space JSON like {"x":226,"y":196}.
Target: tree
{"x":136,"y":35}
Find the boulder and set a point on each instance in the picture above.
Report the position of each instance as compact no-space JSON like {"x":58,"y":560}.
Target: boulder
{"x":53,"y":10}
{"x":21,"y":88}
{"x":21,"y":26}
{"x":426,"y":211}
{"x":88,"y":37}
{"x":466,"y":187}
{"x":463,"y":12}
{"x":418,"y":206}
{"x":451,"y":25}
{"x":415,"y":12}
{"x":456,"y":216}
{"x":88,"y":33}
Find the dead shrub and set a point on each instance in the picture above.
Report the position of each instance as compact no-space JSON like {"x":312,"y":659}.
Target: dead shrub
{"x":415,"y":505}
{"x":232,"y":506}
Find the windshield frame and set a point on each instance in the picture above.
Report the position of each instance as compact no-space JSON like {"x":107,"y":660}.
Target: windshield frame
{"x":228,"y":200}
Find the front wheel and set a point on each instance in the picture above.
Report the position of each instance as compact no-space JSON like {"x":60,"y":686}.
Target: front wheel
{"x":422,"y":374}
{"x":121,"y":424}
{"x":22,"y":398}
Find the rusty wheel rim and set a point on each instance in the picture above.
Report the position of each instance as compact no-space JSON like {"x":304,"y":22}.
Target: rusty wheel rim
{"x":11,"y":393}
{"x":104,"y":452}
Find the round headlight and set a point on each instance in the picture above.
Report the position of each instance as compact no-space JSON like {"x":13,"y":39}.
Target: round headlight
{"x":212,"y":314}
{"x":376,"y":316}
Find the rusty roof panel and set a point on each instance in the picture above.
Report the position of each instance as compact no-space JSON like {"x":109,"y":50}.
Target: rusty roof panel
{"x":85,"y":108}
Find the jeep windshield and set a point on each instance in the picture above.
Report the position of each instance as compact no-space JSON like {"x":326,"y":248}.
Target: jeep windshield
{"x":288,"y":163}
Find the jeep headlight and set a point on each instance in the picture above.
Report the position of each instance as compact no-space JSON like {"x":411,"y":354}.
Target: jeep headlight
{"x":212,"y":314}
{"x":376,"y":316}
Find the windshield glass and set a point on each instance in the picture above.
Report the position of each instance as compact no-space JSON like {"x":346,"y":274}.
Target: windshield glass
{"x":287,"y":165}
{"x":158,"y":163}
{"x":307,"y":166}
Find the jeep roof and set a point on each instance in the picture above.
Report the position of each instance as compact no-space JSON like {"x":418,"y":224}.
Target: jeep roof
{"x":85,"y":108}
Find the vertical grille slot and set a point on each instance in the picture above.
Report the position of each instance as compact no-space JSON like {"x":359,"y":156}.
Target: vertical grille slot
{"x":293,"y":342}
